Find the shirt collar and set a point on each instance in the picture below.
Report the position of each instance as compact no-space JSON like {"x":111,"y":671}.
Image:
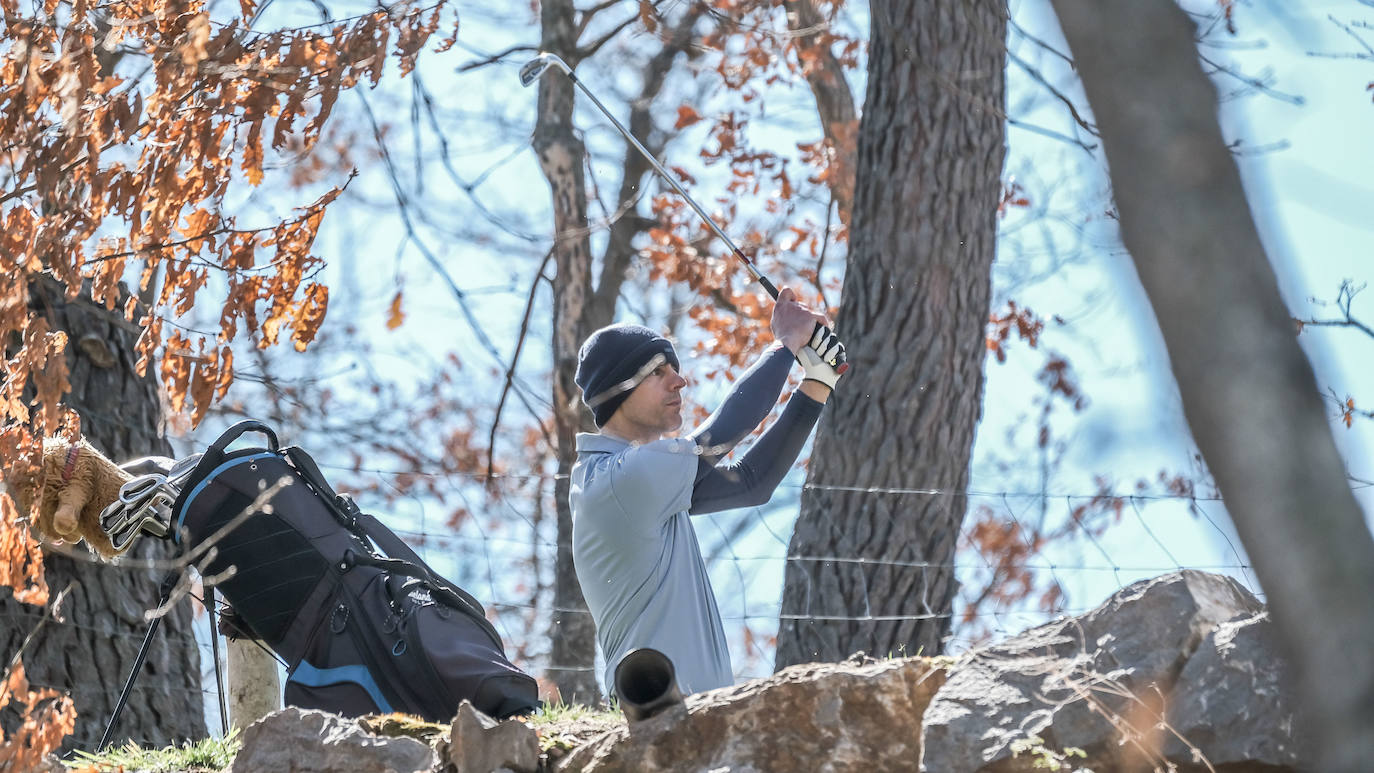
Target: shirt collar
{"x":597,"y":443}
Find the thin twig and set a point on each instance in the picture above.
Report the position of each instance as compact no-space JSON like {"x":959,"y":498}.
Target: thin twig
{"x":510,"y":371}
{"x":1039,"y":77}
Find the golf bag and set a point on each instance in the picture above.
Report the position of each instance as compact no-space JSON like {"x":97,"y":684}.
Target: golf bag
{"x":364,"y":625}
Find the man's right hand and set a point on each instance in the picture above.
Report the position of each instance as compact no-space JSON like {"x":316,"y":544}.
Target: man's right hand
{"x":793,"y":324}
{"x":808,"y":335}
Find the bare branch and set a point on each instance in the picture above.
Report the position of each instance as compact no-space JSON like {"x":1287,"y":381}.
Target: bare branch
{"x":510,"y":371}
{"x":591,"y":48}
{"x":591,"y":13}
{"x":1039,"y":77}
{"x":619,"y":251}
{"x":1344,"y":298}
{"x":494,"y":58}
{"x":1262,"y":83}
{"x":834,"y":101}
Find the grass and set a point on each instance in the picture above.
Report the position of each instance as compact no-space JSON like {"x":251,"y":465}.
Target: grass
{"x":210,"y":754}
{"x":551,"y":713}
{"x":562,"y":727}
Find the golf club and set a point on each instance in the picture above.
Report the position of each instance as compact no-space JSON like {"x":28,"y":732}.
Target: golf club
{"x":530,"y":72}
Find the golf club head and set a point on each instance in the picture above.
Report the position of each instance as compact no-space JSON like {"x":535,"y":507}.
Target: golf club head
{"x":535,"y":67}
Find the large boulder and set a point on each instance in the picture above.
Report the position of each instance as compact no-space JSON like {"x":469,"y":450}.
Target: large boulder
{"x":1230,"y":703}
{"x":825,"y":717}
{"x":1167,"y":671}
{"x":296,"y":740}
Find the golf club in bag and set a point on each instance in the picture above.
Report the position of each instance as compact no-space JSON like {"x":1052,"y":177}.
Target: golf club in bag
{"x":362,"y":623}
{"x":533,"y":69}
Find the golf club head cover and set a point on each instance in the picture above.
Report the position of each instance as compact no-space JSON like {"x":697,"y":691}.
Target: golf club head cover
{"x":823,"y":359}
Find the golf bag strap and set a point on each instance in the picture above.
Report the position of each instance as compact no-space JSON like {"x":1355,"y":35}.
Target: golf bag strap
{"x":385,"y":538}
{"x":306,"y":466}
{"x":441,"y":588}
{"x":403,"y":560}
{"x":396,"y":548}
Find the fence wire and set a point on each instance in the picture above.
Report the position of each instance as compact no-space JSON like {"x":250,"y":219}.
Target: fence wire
{"x":506,"y":560}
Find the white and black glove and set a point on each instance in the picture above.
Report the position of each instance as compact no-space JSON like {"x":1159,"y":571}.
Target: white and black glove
{"x":823,"y":359}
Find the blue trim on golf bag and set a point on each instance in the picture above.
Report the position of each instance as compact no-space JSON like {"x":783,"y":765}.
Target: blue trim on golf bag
{"x":309,"y":676}
{"x":186,"y":505}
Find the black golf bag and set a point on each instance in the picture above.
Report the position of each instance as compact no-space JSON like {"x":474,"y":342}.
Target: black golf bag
{"x":364,"y":625}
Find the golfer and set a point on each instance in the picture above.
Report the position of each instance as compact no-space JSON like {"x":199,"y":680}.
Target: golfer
{"x":634,"y":486}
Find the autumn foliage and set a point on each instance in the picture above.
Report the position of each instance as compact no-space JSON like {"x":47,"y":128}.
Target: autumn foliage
{"x":47,"y":717}
{"x":126,"y":126}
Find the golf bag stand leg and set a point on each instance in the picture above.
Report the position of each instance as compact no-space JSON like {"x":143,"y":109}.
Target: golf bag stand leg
{"x":213,"y":614}
{"x":168,"y":583}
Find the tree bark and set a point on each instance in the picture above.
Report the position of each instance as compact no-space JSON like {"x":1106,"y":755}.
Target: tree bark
{"x":869,"y":570}
{"x":1248,"y":391}
{"x":834,"y":100}
{"x":253,"y":683}
{"x":88,"y":655}
{"x":561,"y":156}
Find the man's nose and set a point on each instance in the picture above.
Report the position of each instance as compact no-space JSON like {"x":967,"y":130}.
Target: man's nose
{"x":678,"y":382}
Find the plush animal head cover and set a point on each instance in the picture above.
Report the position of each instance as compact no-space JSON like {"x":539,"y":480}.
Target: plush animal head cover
{"x":76,"y":482}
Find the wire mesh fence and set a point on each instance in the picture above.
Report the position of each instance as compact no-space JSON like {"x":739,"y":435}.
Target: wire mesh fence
{"x":1105,"y":541}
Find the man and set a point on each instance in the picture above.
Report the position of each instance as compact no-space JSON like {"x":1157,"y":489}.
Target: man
{"x":633,"y":487}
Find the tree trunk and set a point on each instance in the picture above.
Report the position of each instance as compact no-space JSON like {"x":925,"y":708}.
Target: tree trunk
{"x":89,"y":653}
{"x":561,"y":156}
{"x":252,"y":681}
{"x":868,"y":570}
{"x":834,"y":101}
{"x":1248,"y":391}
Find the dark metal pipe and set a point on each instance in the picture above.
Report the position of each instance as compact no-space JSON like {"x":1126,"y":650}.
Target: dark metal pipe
{"x":646,"y":684}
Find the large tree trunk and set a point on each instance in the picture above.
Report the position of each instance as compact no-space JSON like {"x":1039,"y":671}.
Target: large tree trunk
{"x":89,"y":654}
{"x":1248,"y":390}
{"x":561,"y":157}
{"x":870,"y":570}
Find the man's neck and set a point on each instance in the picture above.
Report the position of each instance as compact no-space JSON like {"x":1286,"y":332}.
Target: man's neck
{"x":630,"y":434}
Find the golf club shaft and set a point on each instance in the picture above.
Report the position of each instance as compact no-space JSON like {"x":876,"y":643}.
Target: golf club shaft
{"x":536,"y":67}
{"x":666,"y":175}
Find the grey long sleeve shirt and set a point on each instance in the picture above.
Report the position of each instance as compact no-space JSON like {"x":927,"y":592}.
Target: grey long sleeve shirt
{"x":636,"y":553}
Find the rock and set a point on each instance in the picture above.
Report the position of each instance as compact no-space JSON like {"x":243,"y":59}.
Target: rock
{"x":824,"y":717}
{"x":296,"y":740}
{"x":1098,"y":684}
{"x":480,"y":743}
{"x":1230,"y":703}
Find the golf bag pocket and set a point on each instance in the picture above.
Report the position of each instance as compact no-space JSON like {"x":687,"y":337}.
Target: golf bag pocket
{"x":392,"y":647}
{"x":364,"y":625}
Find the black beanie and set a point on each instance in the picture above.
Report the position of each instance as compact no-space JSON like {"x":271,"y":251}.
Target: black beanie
{"x":614,"y":355}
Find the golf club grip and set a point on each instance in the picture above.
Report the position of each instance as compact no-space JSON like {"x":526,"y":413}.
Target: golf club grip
{"x":767,"y":285}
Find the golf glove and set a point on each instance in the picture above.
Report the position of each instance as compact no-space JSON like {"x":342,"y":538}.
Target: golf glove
{"x":821,"y":357}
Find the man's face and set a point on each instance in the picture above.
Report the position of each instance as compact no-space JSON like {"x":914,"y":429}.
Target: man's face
{"x":654,"y":407}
